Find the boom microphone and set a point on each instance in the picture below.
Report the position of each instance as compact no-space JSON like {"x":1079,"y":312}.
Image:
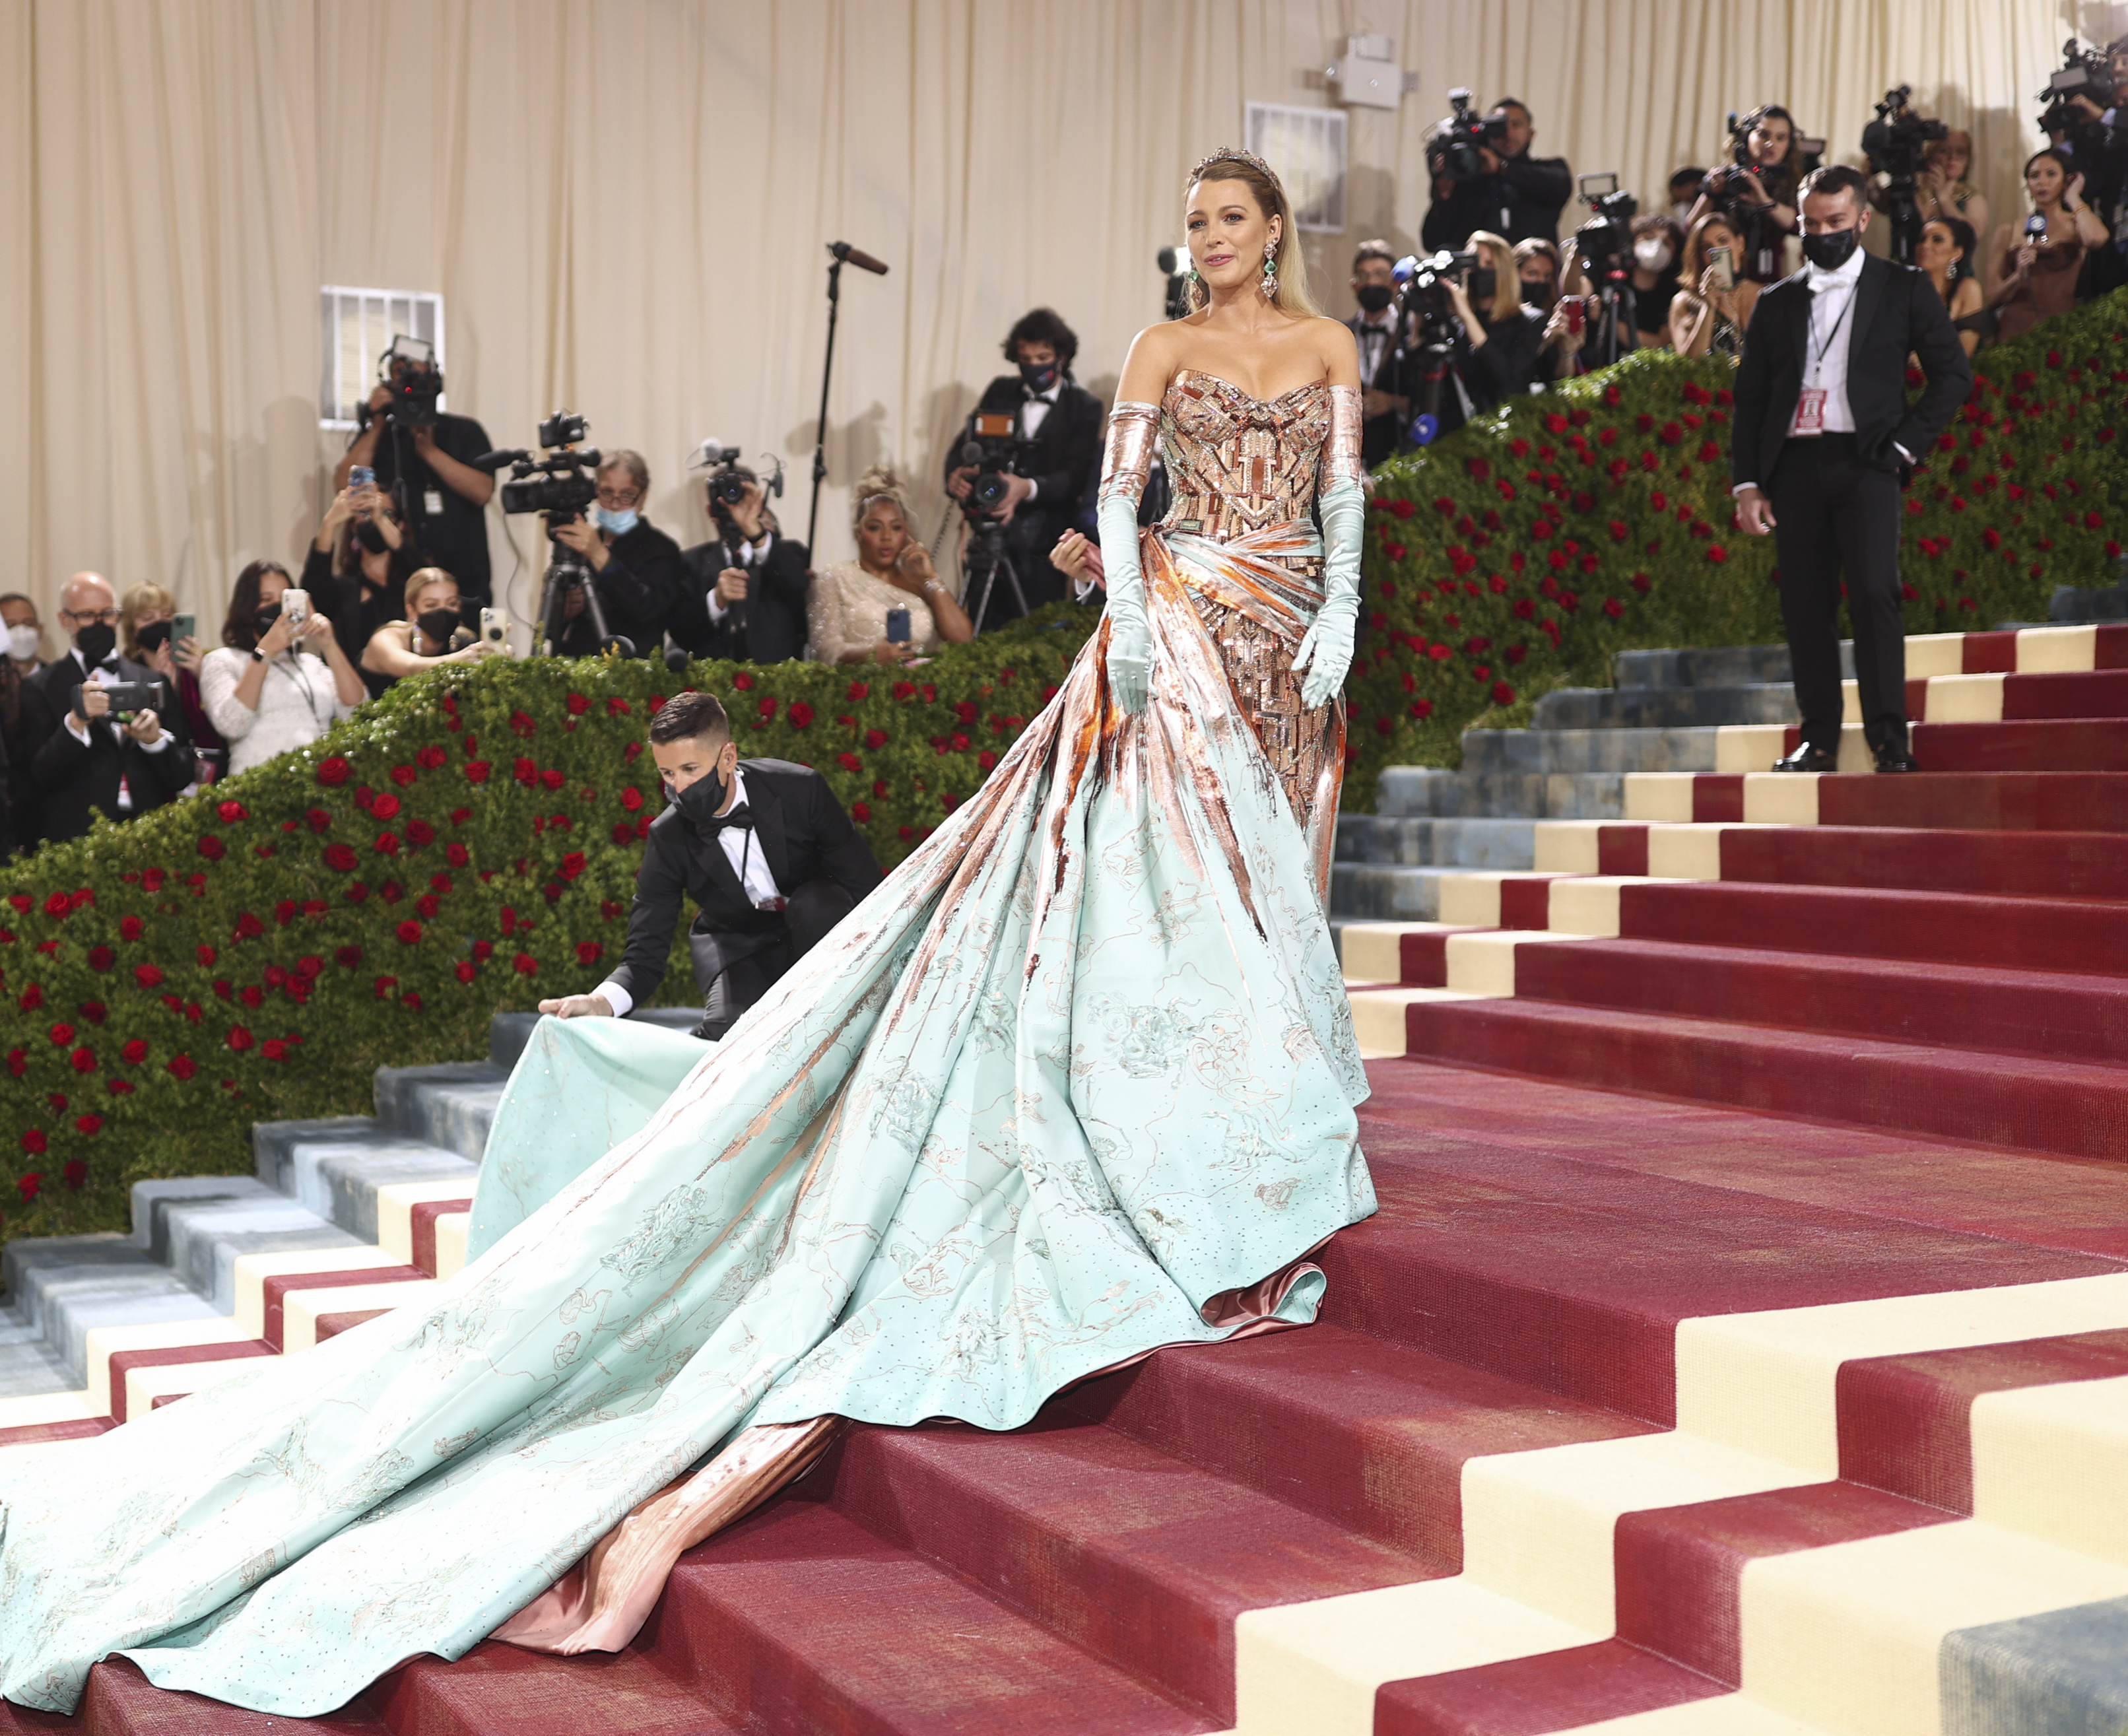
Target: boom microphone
{"x":862,"y":261}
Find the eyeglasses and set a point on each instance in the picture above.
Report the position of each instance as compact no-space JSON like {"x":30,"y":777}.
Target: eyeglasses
{"x":109,"y":617}
{"x":620,"y":496}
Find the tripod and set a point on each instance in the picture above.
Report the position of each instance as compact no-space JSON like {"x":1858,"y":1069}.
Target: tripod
{"x":1614,"y":300}
{"x":1905,"y":212}
{"x":987,"y":556}
{"x":569,"y":571}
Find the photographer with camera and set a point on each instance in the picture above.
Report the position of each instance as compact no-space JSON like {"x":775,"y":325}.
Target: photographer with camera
{"x":431,"y":633}
{"x":763,"y":848}
{"x":1485,"y":177}
{"x":423,"y":457}
{"x":1757,"y":191}
{"x":262,"y":696}
{"x":636,"y":567}
{"x":887,"y":606}
{"x":1384,"y":392}
{"x":744,"y":597}
{"x":359,"y":563}
{"x":1494,"y":353}
{"x":2086,"y":122}
{"x":1024,"y":487}
{"x":105,"y":733}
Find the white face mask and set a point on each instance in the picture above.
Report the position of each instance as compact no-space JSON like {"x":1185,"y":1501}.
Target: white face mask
{"x":1653,"y":253}
{"x":22,"y":643}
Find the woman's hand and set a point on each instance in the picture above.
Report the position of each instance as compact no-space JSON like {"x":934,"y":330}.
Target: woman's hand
{"x":886,"y":651}
{"x":2027,"y":257}
{"x":2072,"y":194}
{"x":912,"y":570}
{"x":278,"y":637}
{"x":317,"y":628}
{"x":473,"y":653}
{"x":1078,"y":557}
{"x":189,"y":655}
{"x":1558,"y":330}
{"x":159,"y":660}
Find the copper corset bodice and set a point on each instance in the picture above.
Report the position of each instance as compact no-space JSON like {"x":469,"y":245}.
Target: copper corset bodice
{"x":1237,"y":463}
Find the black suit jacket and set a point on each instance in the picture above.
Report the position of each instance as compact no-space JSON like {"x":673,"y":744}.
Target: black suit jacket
{"x":639,"y":585}
{"x":1065,"y":450}
{"x":72,"y":779}
{"x":775,"y":630}
{"x":1896,"y":313}
{"x":1380,"y":435}
{"x":798,"y":825}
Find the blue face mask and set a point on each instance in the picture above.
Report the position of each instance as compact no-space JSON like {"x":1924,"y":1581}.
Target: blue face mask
{"x":620,"y":523}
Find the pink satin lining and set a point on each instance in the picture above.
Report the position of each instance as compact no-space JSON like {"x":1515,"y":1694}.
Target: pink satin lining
{"x":602,"y":1603}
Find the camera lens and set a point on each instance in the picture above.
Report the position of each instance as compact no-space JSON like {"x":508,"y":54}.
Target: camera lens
{"x":989,"y":491}
{"x":730,"y":490}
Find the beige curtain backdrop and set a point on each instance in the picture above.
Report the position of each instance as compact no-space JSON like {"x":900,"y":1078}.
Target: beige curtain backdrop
{"x":624,"y":204}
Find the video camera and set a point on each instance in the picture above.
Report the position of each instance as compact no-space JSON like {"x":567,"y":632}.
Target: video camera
{"x":561,"y":484}
{"x":1897,"y":141}
{"x":409,"y":369}
{"x":1453,"y":148}
{"x":992,"y":444}
{"x":1605,"y":241}
{"x":1424,"y":282}
{"x":728,"y":479}
{"x":2086,"y":72}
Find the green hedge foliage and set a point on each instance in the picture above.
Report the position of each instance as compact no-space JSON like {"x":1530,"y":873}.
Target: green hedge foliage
{"x":469,"y":844}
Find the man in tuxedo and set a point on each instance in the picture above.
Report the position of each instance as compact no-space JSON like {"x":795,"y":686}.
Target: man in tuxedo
{"x":1384,"y":394}
{"x":744,"y":594}
{"x":769,"y":857}
{"x":84,"y":758}
{"x":1821,"y":435}
{"x":1059,"y":422}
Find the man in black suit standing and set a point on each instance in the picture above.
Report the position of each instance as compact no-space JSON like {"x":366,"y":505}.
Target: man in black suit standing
{"x":1822,"y":432}
{"x":769,"y":857}
{"x":744,"y":594}
{"x":1060,"y":422}
{"x":86,"y":758}
{"x":1384,"y":392}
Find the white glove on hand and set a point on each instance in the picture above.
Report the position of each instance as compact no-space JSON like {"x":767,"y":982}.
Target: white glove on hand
{"x":1130,"y":637}
{"x":1325,"y":651}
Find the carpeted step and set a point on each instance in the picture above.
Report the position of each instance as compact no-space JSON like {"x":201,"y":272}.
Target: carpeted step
{"x":800,"y":1619}
{"x":1139,"y":1558}
{"x":497,"y":1690}
{"x":2039,"y":800}
{"x":2067,"y":1016}
{"x":2073,"y":1109}
{"x":121,"y":1701}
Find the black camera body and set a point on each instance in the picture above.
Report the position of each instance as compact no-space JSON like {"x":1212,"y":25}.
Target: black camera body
{"x":561,"y":484}
{"x":2085,"y":72}
{"x":992,"y":444}
{"x":1458,"y":138}
{"x":1605,"y":241}
{"x":1898,"y":139}
{"x":414,"y":394}
{"x":1426,"y":281}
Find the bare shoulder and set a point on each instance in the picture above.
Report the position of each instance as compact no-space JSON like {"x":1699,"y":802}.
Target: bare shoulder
{"x":1154,"y":354}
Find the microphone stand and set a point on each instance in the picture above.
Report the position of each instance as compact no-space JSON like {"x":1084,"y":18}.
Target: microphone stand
{"x":827,"y":371}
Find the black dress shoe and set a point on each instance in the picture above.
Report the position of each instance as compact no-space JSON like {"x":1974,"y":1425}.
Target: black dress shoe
{"x":1809,"y":758}
{"x":1895,"y":760}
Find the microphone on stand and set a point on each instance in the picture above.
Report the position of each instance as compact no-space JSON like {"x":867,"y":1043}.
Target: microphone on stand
{"x":863,"y":261}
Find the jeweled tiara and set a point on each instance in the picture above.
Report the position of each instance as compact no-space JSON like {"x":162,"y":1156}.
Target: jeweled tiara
{"x":1227,"y":153}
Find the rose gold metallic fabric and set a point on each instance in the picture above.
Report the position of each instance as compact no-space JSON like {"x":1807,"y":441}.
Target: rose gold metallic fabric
{"x":1341,"y":452}
{"x":1127,"y":461}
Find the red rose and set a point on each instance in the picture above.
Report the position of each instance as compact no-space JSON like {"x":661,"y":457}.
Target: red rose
{"x":340,"y":857}
{"x":240,"y":1038}
{"x":84,"y":1060}
{"x":130,"y":928}
{"x":623,"y":832}
{"x":385,"y":807}
{"x":1716,"y":553}
{"x":383,"y":986}
{"x":420,"y":831}
{"x":523,"y":724}
{"x":589,"y":952}
{"x":904,"y":689}
{"x":33,"y":997}
{"x":859,"y":690}
{"x":656,"y":702}
{"x":861,"y":812}
{"x":483,"y":950}
{"x":182,"y":1066}
{"x":211,"y":849}
{"x":801,"y":714}
{"x":386,"y":844}
{"x":409,"y":932}
{"x":403,"y":775}
{"x":616,"y":706}
{"x":76,"y":1172}
{"x":133,"y":1052}
{"x":249,"y":927}
{"x":849,"y":762}
{"x":102,"y":958}
{"x":347,"y":957}
{"x":875,"y":739}
{"x":84,"y":1124}
{"x":61,"y":1035}
{"x":1422,"y":708}
{"x":475,"y":771}
{"x":631,"y":798}
{"x":742,"y":681}
{"x":230,"y":812}
{"x":29,"y":1184}
{"x":573,"y":864}
{"x":430,"y":757}
{"x":768,"y":704}
{"x":332,"y":771}
{"x":274,"y":1049}
{"x":524,"y":964}
{"x":465,"y":970}
{"x":578,"y":704}
{"x":1503,"y":694}
{"x":428,"y":905}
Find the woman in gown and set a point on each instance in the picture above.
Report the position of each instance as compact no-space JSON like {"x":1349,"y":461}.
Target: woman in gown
{"x":1076,"y":1083}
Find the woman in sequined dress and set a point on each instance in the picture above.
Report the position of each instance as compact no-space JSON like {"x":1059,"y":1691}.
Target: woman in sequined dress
{"x":1076,"y":1083}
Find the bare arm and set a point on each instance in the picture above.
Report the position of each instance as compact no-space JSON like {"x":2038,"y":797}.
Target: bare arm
{"x":389,"y":652}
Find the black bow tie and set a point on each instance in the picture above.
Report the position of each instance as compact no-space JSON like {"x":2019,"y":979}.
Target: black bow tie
{"x":738,"y":814}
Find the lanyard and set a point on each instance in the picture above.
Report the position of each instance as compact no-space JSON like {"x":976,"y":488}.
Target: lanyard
{"x":1817,"y":360}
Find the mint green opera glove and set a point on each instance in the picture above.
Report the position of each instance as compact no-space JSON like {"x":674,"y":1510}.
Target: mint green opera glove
{"x":1325,"y":651}
{"x":1124,"y":467}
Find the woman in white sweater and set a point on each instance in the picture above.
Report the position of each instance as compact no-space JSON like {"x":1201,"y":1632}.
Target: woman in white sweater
{"x":259,"y":690}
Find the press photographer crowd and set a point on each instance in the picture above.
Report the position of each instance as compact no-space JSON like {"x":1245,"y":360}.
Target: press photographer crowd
{"x":1528,"y":276}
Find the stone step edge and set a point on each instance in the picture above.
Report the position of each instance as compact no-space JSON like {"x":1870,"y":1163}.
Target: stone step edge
{"x":1757,"y":1409}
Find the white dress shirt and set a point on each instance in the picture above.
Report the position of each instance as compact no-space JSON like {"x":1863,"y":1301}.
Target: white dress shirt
{"x":1033,"y":414}
{"x":743,"y":850}
{"x":1831,"y":330}
{"x":750,"y":557}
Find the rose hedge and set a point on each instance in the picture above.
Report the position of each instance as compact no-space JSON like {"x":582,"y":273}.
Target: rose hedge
{"x":470,"y":843}
{"x":1520,"y":555}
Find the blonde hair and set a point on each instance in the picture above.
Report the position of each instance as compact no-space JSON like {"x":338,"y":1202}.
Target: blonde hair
{"x":1499,"y":254}
{"x":880,"y":483}
{"x":1292,"y":295}
{"x":138,"y":600}
{"x":419,"y":579}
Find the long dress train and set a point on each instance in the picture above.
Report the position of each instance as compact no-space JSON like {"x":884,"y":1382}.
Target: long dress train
{"x":1076,"y":1082}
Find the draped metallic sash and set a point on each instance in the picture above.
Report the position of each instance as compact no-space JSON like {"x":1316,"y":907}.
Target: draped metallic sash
{"x":1246,"y":574}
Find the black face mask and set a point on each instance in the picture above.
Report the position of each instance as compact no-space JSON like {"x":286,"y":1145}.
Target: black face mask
{"x":700,"y":800}
{"x":1374,"y":297}
{"x":1040,"y":376}
{"x":262,"y":618}
{"x":1830,"y":250}
{"x":96,"y":642}
{"x":154,"y":635}
{"x":1482,"y":285}
{"x":370,"y":537}
{"x":438,"y":625}
{"x":1537,"y":294}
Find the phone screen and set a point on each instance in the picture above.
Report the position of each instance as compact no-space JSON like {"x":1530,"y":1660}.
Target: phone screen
{"x":897,"y":626}
{"x":1725,"y":271}
{"x":361,"y":476}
